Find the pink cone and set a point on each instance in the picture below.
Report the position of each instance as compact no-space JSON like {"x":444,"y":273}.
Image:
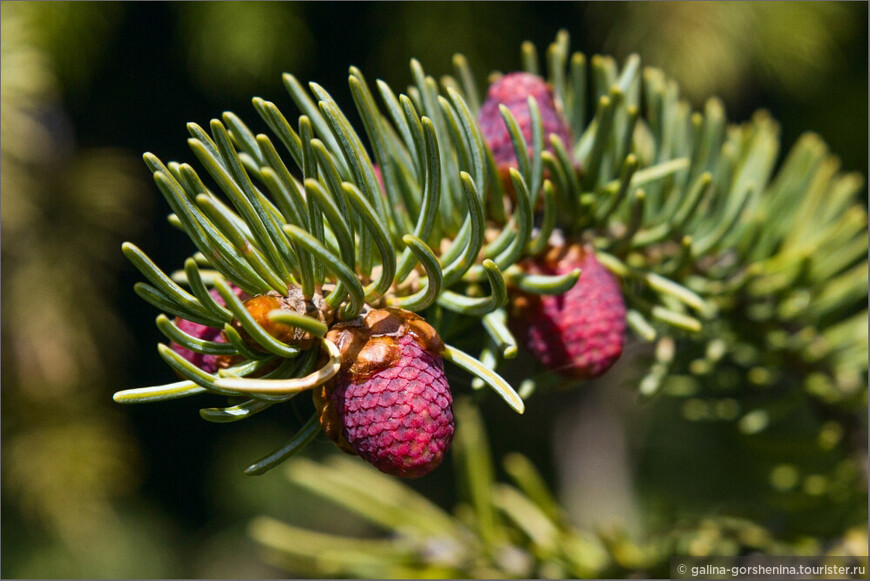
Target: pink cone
{"x":513,"y":91}
{"x":580,"y":333}
{"x":208,"y":363}
{"x":390,"y":403}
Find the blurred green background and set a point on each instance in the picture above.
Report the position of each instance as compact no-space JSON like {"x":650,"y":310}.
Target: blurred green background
{"x":90,"y":489}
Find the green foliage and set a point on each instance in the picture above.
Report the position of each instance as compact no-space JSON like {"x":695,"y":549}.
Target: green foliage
{"x":749,"y":277}
{"x":745,"y":276}
{"x":68,"y":457}
{"x":498,"y":530}
{"x":69,"y":36}
{"x":747,"y":303}
{"x":673,"y":200}
{"x":247,"y":42}
{"x":792,"y":45}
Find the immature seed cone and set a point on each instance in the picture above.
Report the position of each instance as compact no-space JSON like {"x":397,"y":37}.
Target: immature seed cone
{"x":208,"y":363}
{"x":390,"y":402}
{"x":513,"y":91}
{"x":581,"y":332}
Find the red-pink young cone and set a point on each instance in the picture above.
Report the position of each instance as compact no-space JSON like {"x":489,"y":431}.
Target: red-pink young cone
{"x":513,"y":91}
{"x":580,"y":333}
{"x":390,"y":403}
{"x":208,"y":363}
{"x":379,"y":176}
